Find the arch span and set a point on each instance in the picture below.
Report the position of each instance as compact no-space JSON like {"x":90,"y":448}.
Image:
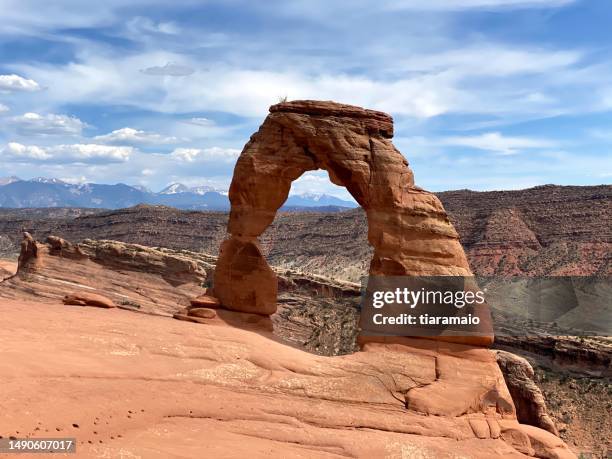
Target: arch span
{"x":407,"y":226}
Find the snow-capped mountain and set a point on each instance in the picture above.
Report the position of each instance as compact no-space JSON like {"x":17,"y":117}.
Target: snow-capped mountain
{"x":205,"y":189}
{"x":175,"y":188}
{"x":48,"y":180}
{"x":7,"y":180}
{"x":313,"y":196}
{"x":142,"y":188}
{"x":317,"y":200}
{"x":50,"y":192}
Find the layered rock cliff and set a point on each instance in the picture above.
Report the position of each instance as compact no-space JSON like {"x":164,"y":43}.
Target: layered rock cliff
{"x":496,"y":228}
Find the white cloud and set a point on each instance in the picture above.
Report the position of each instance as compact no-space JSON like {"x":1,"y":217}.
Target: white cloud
{"x":141,"y":24}
{"x":191,"y":155}
{"x":318,"y":182}
{"x":456,"y":5}
{"x":67,"y":153}
{"x":431,"y":58}
{"x":169,"y":69}
{"x":3,"y":108}
{"x":186,"y":154}
{"x":21,"y":17}
{"x":478,"y":78}
{"x":496,"y":142}
{"x":51,"y":124}
{"x":243,"y":92}
{"x":326,"y":12}
{"x":490,"y":60}
{"x":25,"y":17}
{"x":132,"y":136}
{"x":427,"y":147}
{"x":200,"y":130}
{"x":19,"y":151}
{"x":200,"y":121}
{"x":15,"y":83}
{"x":75,"y":180}
{"x":600,"y":134}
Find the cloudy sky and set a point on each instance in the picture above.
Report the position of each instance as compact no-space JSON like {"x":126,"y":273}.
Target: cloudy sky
{"x":486,"y":94}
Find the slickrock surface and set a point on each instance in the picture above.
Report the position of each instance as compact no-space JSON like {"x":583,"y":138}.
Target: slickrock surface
{"x":320,"y":315}
{"x":128,"y":275}
{"x":135,"y":385}
{"x":7,"y":268}
{"x":153,"y":280}
{"x":407,"y":226}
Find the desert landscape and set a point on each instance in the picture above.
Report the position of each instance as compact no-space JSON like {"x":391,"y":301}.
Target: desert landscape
{"x":306,"y":229}
{"x":288,"y":376}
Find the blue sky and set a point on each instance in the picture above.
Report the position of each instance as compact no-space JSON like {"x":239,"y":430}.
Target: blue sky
{"x":486,"y":94}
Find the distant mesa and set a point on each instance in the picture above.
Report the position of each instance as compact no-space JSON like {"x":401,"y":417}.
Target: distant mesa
{"x":545,"y":236}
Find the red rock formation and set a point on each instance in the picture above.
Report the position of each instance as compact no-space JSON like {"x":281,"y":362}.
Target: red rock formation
{"x":29,"y":251}
{"x":417,"y":398}
{"x":205,"y":301}
{"x":88,"y":299}
{"x":407,"y":226}
{"x":527,"y":396}
{"x":204,"y":313}
{"x":128,"y":275}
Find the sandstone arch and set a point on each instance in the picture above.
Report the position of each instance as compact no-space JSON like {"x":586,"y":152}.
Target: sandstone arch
{"x":407,"y":226}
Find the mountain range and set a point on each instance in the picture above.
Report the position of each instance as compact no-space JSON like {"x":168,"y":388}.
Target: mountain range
{"x":51,"y":192}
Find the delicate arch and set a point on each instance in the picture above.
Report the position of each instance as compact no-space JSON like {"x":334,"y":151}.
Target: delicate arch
{"x":407,"y":226}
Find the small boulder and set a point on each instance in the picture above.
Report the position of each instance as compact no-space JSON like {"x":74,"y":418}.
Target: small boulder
{"x":205,"y":301}
{"x":204,"y":313}
{"x":88,"y":299}
{"x":187,"y":318}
